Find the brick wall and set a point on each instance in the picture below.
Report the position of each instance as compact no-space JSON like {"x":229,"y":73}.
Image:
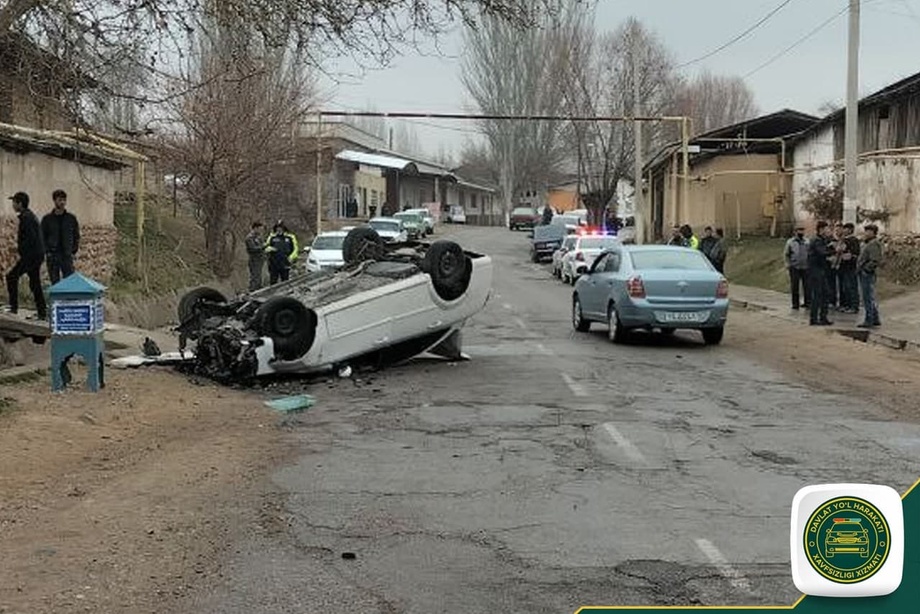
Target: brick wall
{"x":95,"y":260}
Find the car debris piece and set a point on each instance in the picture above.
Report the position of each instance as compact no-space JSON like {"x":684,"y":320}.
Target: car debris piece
{"x":387,"y":304}
{"x":292,"y":404}
{"x":167,"y":358}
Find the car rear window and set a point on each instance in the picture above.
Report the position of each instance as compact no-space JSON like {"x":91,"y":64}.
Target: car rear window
{"x":669,"y":259}
{"x":328,"y":242}
{"x":567,"y":220}
{"x":524,"y":211}
{"x":385,"y":226}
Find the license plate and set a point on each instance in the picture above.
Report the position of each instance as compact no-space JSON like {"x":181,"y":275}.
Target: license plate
{"x":683,"y":316}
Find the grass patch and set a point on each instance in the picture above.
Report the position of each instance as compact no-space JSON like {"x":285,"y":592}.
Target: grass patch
{"x":7,"y":405}
{"x":176,"y":256}
{"x":25,"y":377}
{"x":758,"y":262}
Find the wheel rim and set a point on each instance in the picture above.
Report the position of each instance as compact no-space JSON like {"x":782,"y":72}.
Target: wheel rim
{"x":613,"y":323}
{"x":285,"y":322}
{"x":576,"y":313}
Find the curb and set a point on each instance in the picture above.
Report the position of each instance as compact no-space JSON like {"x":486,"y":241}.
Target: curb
{"x":870,"y":336}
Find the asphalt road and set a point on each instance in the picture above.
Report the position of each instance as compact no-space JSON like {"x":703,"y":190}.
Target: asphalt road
{"x":553,"y":470}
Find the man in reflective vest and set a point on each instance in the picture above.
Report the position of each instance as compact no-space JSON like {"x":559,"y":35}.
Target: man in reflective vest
{"x":692,"y":241}
{"x":282,"y":249}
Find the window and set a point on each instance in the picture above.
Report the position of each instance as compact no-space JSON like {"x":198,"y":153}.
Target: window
{"x":883,"y":128}
{"x":670,"y":259}
{"x":328,"y":242}
{"x":613,"y":263}
{"x":374,"y":197}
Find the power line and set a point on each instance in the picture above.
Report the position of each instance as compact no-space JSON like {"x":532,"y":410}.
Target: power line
{"x":820,"y":27}
{"x":737,"y":38}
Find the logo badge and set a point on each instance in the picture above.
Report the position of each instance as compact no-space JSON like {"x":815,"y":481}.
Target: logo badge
{"x":847,"y":540}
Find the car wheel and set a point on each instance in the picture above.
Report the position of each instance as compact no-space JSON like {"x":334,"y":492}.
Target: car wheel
{"x":578,"y":320}
{"x":450,"y":269}
{"x":291,"y":326}
{"x":713,"y":336}
{"x":360,"y":244}
{"x":616,"y":332}
{"x":188,"y":304}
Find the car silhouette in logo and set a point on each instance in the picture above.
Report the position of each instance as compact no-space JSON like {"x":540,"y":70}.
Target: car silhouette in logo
{"x":847,"y":536}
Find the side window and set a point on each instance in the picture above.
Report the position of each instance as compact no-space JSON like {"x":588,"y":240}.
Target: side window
{"x":601,"y":263}
{"x":613,"y":263}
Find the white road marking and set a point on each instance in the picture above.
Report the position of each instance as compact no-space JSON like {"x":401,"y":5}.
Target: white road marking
{"x":543,"y":350}
{"x":574,"y":386}
{"x":521,"y":323}
{"x":626,"y":445}
{"x":735,"y":577}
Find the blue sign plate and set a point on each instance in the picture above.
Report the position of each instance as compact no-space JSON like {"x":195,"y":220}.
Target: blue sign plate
{"x":73,"y":318}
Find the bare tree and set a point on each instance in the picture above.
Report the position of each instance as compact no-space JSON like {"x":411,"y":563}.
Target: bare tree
{"x":829,"y":107}
{"x":715,"y":101}
{"x":507,"y":71}
{"x":477,"y":164}
{"x":406,"y":139}
{"x":599,"y":82}
{"x":233,"y":132}
{"x":98,"y":37}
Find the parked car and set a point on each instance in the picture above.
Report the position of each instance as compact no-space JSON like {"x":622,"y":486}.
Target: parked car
{"x":581,"y":214}
{"x":414,"y":224}
{"x":523,"y":217}
{"x":326,"y":251}
{"x":572,"y":223}
{"x":456,"y":215}
{"x":390,"y":229}
{"x":546,"y":240}
{"x":388,"y":304}
{"x":588,"y":245}
{"x":567,"y":245}
{"x":652,"y":287}
{"x":428,"y":217}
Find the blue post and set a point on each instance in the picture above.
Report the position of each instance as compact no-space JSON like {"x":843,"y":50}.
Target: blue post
{"x":77,"y":329}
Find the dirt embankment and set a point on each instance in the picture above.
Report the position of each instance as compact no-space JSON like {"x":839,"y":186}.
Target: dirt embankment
{"x":122,"y":501}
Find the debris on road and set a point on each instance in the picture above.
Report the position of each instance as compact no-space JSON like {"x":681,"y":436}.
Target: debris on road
{"x":168,"y":358}
{"x":292,"y":404}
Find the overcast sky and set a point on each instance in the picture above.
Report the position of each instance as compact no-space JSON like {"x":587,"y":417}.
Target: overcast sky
{"x":811,"y":73}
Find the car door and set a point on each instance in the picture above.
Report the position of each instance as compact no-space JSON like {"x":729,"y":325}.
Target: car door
{"x":593,"y":288}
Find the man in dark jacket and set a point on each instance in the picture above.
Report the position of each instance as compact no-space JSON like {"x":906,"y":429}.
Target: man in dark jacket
{"x":31,"y":254}
{"x":818,"y":265}
{"x":255,"y":248}
{"x":795,"y":256}
{"x":707,"y":242}
{"x":61,"y":234}
{"x":870,"y":259}
{"x":846,"y":273}
{"x":719,"y":251}
{"x":281,"y":247}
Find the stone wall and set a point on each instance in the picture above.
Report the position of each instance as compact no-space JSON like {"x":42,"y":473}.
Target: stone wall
{"x":96,"y":258}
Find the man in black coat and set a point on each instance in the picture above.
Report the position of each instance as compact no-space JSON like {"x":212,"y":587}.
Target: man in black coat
{"x":818,"y":266}
{"x":31,"y":254}
{"x":61,"y":234}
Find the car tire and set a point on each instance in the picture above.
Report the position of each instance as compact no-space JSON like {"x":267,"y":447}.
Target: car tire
{"x":616,"y":332}
{"x":713,"y":336}
{"x":189,"y":303}
{"x":291,"y":326}
{"x":450,"y":269}
{"x":362,"y":243}
{"x":578,"y":319}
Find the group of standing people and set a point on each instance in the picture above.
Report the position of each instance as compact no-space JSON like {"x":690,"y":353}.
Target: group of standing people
{"x":834,"y":271}
{"x":712,"y":244}
{"x":279,"y":248}
{"x":54,"y":241}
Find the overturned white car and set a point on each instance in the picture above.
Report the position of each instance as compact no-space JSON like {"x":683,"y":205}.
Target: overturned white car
{"x":385,"y":306}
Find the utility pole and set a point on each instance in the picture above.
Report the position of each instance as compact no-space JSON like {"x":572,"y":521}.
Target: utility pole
{"x":851,"y":148}
{"x":638,"y":200}
{"x":685,"y":184}
{"x":319,"y":174}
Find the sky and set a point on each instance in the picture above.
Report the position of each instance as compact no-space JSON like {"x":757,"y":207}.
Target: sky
{"x":810,"y":73}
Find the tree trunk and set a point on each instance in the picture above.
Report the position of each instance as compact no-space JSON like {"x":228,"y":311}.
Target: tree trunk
{"x":219,"y":236}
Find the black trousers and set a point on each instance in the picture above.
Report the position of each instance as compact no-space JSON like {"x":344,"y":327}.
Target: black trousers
{"x":59,"y":266}
{"x":849,"y":287}
{"x":798,"y":278}
{"x":277,"y":274}
{"x":33,"y":270}
{"x":818,"y":286}
{"x":833,"y":291}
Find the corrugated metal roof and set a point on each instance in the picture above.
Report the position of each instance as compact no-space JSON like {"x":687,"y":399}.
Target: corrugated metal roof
{"x":373,"y":159}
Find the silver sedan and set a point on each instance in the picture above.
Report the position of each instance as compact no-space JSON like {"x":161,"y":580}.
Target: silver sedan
{"x":651,"y":287}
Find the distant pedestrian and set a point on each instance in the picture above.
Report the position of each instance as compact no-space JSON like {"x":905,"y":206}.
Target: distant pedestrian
{"x":31,"y":253}
{"x":846,"y":273}
{"x":687,"y":233}
{"x":870,"y":259}
{"x":677,"y":239}
{"x":719,"y":251}
{"x":281,"y":247}
{"x":61,"y":235}
{"x":547,"y":215}
{"x":707,"y":242}
{"x":255,"y":249}
{"x":795,"y":255}
{"x":818,"y":265}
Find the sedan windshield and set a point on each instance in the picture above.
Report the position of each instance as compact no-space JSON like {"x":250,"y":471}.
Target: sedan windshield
{"x":668,"y":259}
{"x":411,"y":218}
{"x":385,"y":226}
{"x":328,"y":242}
{"x":567,"y":220}
{"x":523,"y":211}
